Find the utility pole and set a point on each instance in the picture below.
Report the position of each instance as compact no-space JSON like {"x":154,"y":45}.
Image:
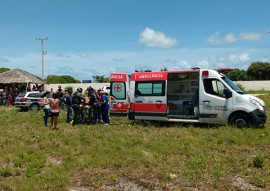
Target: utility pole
{"x":42,"y":53}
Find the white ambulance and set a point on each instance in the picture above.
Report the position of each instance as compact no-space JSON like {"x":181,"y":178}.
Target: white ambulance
{"x":193,"y":96}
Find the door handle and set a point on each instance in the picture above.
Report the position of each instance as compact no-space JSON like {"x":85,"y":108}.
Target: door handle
{"x":158,"y":101}
{"x":206,"y":101}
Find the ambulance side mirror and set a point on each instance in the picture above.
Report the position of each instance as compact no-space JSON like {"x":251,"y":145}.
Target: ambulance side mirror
{"x":227,"y":93}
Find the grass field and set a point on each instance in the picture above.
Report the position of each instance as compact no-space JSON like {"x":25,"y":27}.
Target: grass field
{"x":130,"y":156}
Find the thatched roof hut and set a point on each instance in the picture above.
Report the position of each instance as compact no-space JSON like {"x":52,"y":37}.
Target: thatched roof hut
{"x":19,"y":76}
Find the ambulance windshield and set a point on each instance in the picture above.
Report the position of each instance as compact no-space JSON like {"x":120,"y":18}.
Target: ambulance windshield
{"x":233,"y":85}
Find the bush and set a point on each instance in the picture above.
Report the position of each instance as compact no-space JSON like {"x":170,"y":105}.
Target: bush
{"x":258,"y":161}
{"x":5,"y":172}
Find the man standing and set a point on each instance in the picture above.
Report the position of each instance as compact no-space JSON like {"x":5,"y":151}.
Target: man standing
{"x":68,"y":98}
{"x":77,"y":99}
{"x":94,"y":103}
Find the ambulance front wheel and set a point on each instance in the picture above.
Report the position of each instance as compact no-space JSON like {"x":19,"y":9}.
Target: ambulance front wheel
{"x":240,"y":120}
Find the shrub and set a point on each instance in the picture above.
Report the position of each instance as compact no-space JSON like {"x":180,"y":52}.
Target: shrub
{"x":258,"y":161}
{"x":5,"y":172}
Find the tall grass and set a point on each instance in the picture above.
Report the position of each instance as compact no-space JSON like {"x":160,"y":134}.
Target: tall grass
{"x":111,"y":157}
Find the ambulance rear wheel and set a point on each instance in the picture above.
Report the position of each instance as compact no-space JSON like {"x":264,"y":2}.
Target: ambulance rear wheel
{"x":240,"y":120}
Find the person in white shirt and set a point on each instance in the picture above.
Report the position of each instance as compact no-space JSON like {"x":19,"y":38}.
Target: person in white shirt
{"x":46,"y":107}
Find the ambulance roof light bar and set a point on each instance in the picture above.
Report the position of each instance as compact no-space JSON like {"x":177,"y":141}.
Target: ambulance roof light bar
{"x":205,"y":73}
{"x":195,"y":68}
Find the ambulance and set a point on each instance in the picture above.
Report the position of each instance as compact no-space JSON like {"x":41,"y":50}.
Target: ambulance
{"x":192,"y":96}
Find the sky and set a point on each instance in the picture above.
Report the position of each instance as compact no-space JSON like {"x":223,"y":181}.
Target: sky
{"x":97,"y":37}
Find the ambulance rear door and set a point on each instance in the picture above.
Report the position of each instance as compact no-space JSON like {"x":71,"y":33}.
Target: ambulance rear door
{"x":119,"y":103}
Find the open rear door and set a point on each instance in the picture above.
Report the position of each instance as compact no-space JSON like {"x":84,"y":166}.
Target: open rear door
{"x":119,"y":103}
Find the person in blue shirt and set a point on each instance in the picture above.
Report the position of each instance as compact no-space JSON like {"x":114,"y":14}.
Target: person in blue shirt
{"x":67,"y":100}
{"x":105,"y":107}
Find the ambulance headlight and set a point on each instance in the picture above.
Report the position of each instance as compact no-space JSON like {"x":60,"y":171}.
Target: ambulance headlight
{"x":256,"y":103}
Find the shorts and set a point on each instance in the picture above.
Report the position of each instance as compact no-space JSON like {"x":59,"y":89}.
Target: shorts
{"x":54,"y":113}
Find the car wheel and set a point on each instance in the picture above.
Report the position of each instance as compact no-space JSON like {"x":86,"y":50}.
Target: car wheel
{"x":34,"y":107}
{"x":240,"y":120}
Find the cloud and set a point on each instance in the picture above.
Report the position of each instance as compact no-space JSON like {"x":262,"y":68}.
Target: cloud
{"x":119,"y":60}
{"x":239,"y":58}
{"x":217,"y":39}
{"x":181,"y":65}
{"x":171,"y":61}
{"x":203,"y":64}
{"x":230,"y":37}
{"x":120,"y":68}
{"x":4,"y":60}
{"x":152,"y":38}
{"x":84,"y":55}
{"x":244,"y":57}
{"x":77,"y":73}
{"x":250,"y":36}
{"x":233,"y":58}
{"x":61,"y":55}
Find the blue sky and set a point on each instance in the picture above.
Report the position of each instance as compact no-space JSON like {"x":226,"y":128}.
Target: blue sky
{"x":97,"y":37}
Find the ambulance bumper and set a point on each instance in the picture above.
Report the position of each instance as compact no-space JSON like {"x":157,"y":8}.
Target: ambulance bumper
{"x":258,"y":117}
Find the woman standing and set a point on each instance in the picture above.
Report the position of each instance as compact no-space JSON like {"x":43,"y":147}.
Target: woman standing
{"x":46,"y":107}
{"x":54,"y":108}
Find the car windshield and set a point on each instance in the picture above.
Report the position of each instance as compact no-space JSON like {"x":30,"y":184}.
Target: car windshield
{"x":233,"y":85}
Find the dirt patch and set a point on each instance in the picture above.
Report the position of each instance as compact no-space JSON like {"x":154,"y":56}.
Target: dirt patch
{"x":80,"y":189}
{"x":123,"y":184}
{"x":54,"y":161}
{"x":241,"y":184}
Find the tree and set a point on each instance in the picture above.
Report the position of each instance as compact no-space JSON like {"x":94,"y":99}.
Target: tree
{"x":259,"y":71}
{"x":4,"y":69}
{"x":237,"y":75}
{"x":101,"y":79}
{"x":54,"y":79}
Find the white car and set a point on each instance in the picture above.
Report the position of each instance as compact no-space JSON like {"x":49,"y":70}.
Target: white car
{"x":106,"y":89}
{"x":30,"y":100}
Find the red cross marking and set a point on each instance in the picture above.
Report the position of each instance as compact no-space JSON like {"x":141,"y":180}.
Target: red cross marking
{"x":117,"y":87}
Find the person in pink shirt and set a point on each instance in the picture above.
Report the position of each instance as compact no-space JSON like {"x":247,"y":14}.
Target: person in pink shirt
{"x":54,"y":109}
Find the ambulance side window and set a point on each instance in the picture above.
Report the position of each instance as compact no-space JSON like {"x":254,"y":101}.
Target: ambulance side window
{"x":155,"y":88}
{"x":118,"y":90}
{"x":214,"y":87}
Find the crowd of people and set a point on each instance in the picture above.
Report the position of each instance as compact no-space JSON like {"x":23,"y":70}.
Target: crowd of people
{"x":9,"y":94}
{"x":91,"y":107}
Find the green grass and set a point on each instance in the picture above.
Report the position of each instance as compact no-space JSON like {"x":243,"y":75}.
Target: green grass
{"x":101,"y":157}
